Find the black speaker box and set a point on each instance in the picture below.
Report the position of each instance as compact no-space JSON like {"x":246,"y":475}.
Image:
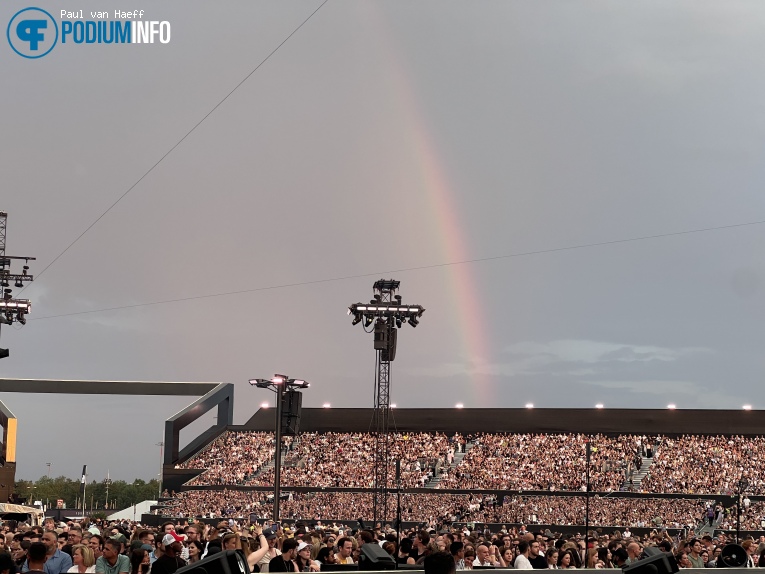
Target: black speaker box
{"x":373,"y":557}
{"x":732,"y":556}
{"x":291,"y":409}
{"x":228,"y":562}
{"x":656,"y":562}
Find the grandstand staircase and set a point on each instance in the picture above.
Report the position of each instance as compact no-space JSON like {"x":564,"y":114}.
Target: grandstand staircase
{"x":458,"y":456}
{"x":272,"y":463}
{"x":639,"y":475}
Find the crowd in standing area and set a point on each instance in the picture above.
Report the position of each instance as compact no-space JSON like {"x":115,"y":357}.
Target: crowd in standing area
{"x":126,"y":547}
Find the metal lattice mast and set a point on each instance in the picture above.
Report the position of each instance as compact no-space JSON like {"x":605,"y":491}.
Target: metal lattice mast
{"x":3,"y":223}
{"x":385,"y":332}
{"x":387,"y":313}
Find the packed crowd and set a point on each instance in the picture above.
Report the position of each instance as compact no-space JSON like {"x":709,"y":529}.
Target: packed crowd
{"x":320,"y":459}
{"x":607,"y":511}
{"x":752,"y":516}
{"x":520,"y":462}
{"x":543,"y":462}
{"x":233,"y":458}
{"x":126,"y":547}
{"x":708,"y":464}
{"x":343,"y":459}
{"x":509,"y":461}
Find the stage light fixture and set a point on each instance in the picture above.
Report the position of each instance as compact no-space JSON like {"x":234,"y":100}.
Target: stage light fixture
{"x":356,"y":319}
{"x":368,"y":320}
{"x":413,"y":321}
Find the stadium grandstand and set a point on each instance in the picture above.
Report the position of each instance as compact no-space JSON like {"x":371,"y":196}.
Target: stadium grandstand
{"x":647,"y":469}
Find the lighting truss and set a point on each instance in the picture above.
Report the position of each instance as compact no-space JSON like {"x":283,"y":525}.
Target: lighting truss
{"x":388,"y":314}
{"x":398,"y":312}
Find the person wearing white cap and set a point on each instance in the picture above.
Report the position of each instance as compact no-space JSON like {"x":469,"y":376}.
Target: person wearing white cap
{"x":171,"y":559}
{"x":304,"y":562}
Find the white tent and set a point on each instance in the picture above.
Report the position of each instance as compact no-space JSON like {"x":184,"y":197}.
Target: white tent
{"x":134,"y":512}
{"x":36,"y":514}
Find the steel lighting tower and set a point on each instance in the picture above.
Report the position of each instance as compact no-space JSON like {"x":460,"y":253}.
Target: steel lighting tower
{"x":11,"y":310}
{"x":388,"y":313}
{"x":279,"y":384}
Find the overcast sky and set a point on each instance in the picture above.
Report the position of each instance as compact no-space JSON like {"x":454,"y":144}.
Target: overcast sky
{"x":408,"y":136}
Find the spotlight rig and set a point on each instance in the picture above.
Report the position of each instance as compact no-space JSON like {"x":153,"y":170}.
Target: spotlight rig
{"x":12,"y":310}
{"x":388,"y":314}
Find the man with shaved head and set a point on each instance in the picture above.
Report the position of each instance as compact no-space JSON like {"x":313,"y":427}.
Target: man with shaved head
{"x":633,"y":552}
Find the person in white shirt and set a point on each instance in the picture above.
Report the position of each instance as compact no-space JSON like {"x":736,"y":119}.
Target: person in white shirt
{"x":522,"y":560}
{"x":483,"y":557}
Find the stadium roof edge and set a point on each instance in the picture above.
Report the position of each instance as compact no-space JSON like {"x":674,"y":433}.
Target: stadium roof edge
{"x":91,"y":387}
{"x":522,"y":420}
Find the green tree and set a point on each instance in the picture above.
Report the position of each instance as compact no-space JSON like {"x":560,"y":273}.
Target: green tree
{"x":121,"y":494}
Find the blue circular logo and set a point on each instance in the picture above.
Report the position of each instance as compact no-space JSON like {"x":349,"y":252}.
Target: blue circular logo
{"x":32,"y":32}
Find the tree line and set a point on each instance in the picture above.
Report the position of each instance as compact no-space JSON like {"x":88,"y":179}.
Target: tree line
{"x":121,"y":494}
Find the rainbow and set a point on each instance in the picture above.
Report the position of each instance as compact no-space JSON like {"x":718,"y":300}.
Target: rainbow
{"x":434,"y":180}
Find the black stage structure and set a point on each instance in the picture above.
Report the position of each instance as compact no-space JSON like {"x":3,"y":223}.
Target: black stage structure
{"x":211,"y":395}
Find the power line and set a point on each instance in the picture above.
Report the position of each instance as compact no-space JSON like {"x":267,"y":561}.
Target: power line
{"x":406,"y":269}
{"x":179,"y":142}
